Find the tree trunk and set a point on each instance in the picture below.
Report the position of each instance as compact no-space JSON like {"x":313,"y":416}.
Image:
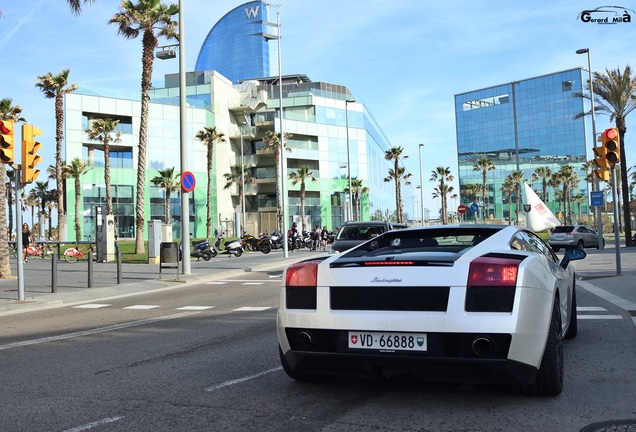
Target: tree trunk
{"x":5,"y":265}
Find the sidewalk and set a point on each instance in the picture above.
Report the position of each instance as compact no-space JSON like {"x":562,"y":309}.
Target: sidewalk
{"x":596,"y":273}
{"x":73,"y":281}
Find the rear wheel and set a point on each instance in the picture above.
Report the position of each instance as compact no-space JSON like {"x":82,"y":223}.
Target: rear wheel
{"x":265,"y":248}
{"x":549,"y":380}
{"x":580,"y":245}
{"x":206,"y":256}
{"x":574,"y":324}
{"x":70,"y":255}
{"x":212,"y":253}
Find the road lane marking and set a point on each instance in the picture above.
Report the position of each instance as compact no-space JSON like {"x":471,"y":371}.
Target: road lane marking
{"x":614,"y":299}
{"x":94,"y":424}
{"x":241,"y":380}
{"x":195,"y":308}
{"x":590,"y":309}
{"x":94,"y":331}
{"x":250,"y":309}
{"x":597,"y":317}
{"x":250,"y":281}
{"x":253,"y":283}
{"x":142,"y":307}
{"x":215,"y":283}
{"x":91,"y":306}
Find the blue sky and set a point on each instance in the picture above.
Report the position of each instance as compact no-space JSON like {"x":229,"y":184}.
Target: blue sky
{"x":404,"y":59}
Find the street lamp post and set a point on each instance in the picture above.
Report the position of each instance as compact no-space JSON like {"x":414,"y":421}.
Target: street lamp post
{"x":599,"y":218}
{"x":242,"y":128}
{"x":185,"y":209}
{"x":350,"y":206}
{"x":421,"y":184}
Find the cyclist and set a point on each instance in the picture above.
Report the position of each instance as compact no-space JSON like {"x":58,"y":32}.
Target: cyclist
{"x":26,"y":240}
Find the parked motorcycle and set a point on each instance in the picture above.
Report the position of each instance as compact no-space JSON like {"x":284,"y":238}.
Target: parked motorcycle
{"x":232,"y":248}
{"x":276,"y":240}
{"x":252,"y":243}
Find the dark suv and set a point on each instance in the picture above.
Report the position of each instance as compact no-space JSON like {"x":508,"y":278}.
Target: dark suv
{"x":354,"y":233}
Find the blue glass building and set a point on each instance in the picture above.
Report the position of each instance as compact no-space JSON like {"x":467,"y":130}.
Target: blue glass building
{"x":522,"y":125}
{"x":242,"y":44}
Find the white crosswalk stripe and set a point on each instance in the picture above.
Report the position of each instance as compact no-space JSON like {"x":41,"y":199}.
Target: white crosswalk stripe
{"x":91,"y":306}
{"x":195,"y":308}
{"x":142,"y":307}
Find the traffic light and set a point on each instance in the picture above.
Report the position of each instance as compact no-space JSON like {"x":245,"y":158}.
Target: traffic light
{"x":601,"y":171}
{"x":611,"y":143}
{"x":29,"y":149}
{"x":6,"y":141}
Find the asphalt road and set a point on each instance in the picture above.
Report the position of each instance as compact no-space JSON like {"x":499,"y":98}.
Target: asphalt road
{"x":204,"y":358}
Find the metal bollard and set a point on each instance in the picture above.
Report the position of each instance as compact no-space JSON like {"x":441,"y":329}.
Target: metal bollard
{"x":118,"y":266}
{"x":90,"y":269}
{"x":54,"y":273}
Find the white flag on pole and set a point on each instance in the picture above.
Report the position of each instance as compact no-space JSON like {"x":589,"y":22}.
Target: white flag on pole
{"x":540,"y":217}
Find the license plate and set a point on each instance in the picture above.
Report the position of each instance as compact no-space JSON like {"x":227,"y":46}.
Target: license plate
{"x":388,"y":341}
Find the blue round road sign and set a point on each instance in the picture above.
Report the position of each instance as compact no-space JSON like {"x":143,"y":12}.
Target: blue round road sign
{"x":474,"y":207}
{"x":188,"y":182}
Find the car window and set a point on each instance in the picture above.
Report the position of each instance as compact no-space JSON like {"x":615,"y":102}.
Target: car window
{"x":538,"y":245}
{"x":562,"y":229}
{"x":360,"y":232}
{"x":439,"y":240}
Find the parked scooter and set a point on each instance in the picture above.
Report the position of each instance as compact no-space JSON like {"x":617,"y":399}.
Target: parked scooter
{"x":232,"y":248}
{"x":201,"y":250}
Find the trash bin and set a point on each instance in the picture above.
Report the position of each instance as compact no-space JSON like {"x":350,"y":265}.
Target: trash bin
{"x":169,"y":256}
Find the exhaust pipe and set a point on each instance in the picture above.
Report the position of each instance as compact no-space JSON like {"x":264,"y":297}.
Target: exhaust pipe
{"x":483,"y":346}
{"x":305,"y":339}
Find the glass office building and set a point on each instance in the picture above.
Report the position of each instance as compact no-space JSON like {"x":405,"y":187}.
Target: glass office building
{"x":522,"y":125}
{"x":242,"y":45}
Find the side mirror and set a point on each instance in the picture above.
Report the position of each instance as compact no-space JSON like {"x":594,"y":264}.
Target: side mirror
{"x":572,"y":255}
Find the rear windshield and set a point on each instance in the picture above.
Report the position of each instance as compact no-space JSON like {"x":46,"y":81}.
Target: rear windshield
{"x":563,"y":229}
{"x":451,"y":240}
{"x":360,"y":232}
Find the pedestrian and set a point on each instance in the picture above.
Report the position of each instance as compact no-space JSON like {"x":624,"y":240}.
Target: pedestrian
{"x":315,"y":238}
{"x":26,"y":240}
{"x":293,"y":234}
{"x":324,"y":237}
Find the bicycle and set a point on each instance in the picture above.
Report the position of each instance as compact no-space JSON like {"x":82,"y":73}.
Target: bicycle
{"x":13,"y":249}
{"x":72,"y":254}
{"x":42,"y":249}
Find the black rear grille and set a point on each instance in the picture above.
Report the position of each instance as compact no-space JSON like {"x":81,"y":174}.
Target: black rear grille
{"x":490,"y":299}
{"x":300,"y":297}
{"x":390,"y":298}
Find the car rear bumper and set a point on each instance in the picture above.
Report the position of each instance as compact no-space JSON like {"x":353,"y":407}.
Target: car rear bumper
{"x":450,"y":357}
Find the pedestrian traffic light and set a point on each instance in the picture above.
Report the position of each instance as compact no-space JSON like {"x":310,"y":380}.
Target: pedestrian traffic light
{"x":610,"y":140}
{"x":6,"y":141}
{"x":29,"y":149}
{"x":601,"y":171}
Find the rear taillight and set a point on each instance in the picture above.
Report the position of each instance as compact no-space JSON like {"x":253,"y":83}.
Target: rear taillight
{"x":302,"y":274}
{"x":493,"y":271}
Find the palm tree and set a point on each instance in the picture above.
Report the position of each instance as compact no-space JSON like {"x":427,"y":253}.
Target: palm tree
{"x":32,"y":201}
{"x":357,"y":190}
{"x":145,"y":18}
{"x":442,"y":191}
{"x":272,"y":143}
{"x":8,"y":111}
{"x":209,"y":136}
{"x":100,"y":130}
{"x":507,"y":187}
{"x":75,"y":170}
{"x":301,"y":175}
{"x":170,"y":182}
{"x":517,"y":178}
{"x":55,"y":87}
{"x":397,"y":175}
{"x":41,"y":194}
{"x":614,"y":95}
{"x":542,"y":173}
{"x":555,"y":183}
{"x":442,"y":176}
{"x":238,"y":175}
{"x":484,"y":165}
{"x":76,"y":5}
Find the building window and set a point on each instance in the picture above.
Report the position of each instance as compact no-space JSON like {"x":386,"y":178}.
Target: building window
{"x":566,"y":86}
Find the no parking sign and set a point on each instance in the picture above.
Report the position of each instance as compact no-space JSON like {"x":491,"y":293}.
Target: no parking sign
{"x":188,"y":182}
